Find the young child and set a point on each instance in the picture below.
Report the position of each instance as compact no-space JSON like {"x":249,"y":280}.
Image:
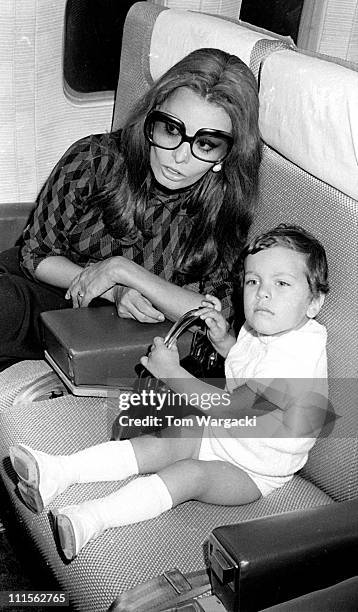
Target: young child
{"x":276,"y":370}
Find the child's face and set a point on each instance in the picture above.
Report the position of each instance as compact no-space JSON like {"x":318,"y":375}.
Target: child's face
{"x":277,"y":297}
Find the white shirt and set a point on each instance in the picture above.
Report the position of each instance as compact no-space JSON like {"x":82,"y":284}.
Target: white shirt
{"x":297,"y":360}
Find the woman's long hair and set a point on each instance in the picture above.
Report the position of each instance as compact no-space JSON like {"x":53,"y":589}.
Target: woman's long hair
{"x":221,"y":203}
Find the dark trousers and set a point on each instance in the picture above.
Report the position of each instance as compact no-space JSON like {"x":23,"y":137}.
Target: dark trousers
{"x":21,"y":302}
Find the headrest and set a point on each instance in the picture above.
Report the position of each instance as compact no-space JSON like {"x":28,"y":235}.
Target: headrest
{"x":309,"y":114}
{"x":179,"y":32}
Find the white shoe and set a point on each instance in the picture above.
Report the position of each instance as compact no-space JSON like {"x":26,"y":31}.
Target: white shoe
{"x":75,"y":526}
{"x":41,"y":476}
{"x":140,"y":500}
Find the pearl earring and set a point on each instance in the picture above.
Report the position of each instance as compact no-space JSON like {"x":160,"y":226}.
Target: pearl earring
{"x":216,"y":168}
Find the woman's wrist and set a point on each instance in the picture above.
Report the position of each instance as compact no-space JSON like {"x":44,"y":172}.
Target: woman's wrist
{"x":119,"y":269}
{"x":169,"y":299}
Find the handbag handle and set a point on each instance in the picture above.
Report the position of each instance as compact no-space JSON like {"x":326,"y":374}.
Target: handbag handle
{"x":185,"y":321}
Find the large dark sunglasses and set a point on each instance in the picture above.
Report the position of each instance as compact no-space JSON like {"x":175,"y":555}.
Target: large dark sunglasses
{"x":168,"y":132}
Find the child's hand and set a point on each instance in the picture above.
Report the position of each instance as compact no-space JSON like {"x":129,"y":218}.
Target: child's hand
{"x":161,"y":361}
{"x":212,"y":302}
{"x":214,"y":320}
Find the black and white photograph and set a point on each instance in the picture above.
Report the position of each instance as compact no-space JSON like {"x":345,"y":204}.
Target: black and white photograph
{"x":179,"y":305}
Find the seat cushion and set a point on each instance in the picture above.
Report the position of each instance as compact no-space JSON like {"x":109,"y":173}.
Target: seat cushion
{"x":123,"y":557}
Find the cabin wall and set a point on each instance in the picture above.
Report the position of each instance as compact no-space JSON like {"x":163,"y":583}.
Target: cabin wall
{"x":41,"y":119}
{"x":330,"y":27}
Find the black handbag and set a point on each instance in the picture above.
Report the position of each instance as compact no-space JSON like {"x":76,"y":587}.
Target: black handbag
{"x":202,"y":361}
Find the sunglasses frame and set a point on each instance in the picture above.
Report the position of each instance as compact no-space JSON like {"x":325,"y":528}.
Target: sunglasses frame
{"x":155,"y":114}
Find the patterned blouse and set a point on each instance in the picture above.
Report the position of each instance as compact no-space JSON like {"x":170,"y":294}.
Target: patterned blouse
{"x":65,"y":224}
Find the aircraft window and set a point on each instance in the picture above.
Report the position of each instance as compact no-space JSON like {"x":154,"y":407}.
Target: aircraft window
{"x":92,"y":43}
{"x":93,"y":35}
{"x":280,"y":16}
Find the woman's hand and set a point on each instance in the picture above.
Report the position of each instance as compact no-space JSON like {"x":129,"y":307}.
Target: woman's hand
{"x":93,"y":281}
{"x":162,"y":362}
{"x":131,"y":304}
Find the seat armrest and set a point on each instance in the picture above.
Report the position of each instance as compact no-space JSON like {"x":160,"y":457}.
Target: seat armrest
{"x":342,"y":596}
{"x":266,"y":561}
{"x":13,"y":218}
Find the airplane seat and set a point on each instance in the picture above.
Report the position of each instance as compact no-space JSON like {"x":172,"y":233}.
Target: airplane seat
{"x":226,"y":8}
{"x":309,"y":126}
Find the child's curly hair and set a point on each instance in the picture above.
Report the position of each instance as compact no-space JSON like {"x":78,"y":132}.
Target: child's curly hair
{"x":298,"y":239}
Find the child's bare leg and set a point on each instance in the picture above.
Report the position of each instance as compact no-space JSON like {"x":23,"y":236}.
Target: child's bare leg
{"x":140,"y":500}
{"x":145,"y":498}
{"x":155,"y":453}
{"x":215,"y":482}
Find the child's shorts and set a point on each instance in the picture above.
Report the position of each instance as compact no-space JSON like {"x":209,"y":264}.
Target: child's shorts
{"x":212,"y":450}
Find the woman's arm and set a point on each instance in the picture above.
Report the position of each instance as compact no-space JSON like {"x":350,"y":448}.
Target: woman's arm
{"x":57,"y":270}
{"x":168,"y":298}
{"x":173,"y":301}
{"x":59,"y":205}
{"x":60,"y":272}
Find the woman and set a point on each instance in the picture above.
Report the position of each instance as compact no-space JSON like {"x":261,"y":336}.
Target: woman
{"x":149,"y":217}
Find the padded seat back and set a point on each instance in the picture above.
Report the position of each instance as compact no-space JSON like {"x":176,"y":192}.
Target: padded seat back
{"x":309,"y":176}
{"x":164,"y":36}
{"x":288,"y":194}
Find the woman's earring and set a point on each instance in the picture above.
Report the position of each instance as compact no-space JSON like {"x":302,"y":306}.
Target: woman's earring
{"x":216,"y":168}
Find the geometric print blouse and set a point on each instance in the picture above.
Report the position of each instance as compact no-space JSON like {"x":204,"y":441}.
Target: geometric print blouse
{"x":63,"y":222}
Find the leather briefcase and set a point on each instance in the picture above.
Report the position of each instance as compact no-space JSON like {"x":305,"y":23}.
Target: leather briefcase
{"x":93,"y":350}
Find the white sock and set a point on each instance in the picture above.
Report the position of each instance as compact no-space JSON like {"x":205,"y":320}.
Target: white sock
{"x":142,"y":499}
{"x":114,"y":460}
